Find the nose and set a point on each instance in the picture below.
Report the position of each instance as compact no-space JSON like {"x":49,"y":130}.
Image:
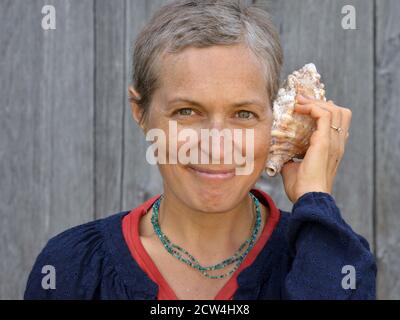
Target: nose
{"x":220,"y":135}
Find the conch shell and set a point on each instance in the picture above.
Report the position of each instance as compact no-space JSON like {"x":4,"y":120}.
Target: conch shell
{"x":291,"y":132}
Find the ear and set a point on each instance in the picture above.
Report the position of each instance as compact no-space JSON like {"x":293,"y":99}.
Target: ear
{"x":136,"y":110}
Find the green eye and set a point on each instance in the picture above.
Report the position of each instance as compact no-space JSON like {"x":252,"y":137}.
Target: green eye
{"x":184,"y":112}
{"x":244,"y":114}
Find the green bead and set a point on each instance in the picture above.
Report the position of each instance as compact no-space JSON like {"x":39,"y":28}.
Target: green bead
{"x":238,"y":258}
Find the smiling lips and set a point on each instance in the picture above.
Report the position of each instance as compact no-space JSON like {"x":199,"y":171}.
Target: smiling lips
{"x":213,"y":174}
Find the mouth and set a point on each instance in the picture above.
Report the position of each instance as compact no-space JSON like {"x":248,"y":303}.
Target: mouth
{"x":220,"y":174}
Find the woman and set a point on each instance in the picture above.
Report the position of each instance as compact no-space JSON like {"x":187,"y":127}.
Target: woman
{"x":211,"y":234}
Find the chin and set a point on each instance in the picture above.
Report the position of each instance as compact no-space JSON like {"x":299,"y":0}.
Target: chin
{"x":208,"y":192}
{"x":213,"y":198}
{"x":210,"y":203}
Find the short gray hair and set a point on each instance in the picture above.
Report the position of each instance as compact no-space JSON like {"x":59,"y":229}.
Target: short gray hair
{"x":203,"y":23}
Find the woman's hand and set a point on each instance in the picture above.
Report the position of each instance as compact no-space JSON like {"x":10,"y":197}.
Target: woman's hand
{"x":317,"y":171}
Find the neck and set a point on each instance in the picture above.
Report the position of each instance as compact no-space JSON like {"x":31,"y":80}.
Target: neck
{"x":198,"y":232}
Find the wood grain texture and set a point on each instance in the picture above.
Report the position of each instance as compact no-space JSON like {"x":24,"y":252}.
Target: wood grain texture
{"x":71,"y":152}
{"x":140,"y":179}
{"x":46,"y":129}
{"x":111,"y":106}
{"x":311,"y":32}
{"x":387,"y":151}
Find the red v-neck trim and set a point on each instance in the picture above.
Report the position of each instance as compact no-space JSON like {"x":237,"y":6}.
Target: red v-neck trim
{"x":130,"y":229}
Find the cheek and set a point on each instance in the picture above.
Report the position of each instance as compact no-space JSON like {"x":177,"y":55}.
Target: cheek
{"x":261,"y":147}
{"x":262,"y":140}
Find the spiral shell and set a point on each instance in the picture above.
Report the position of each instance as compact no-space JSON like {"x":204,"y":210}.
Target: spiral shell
{"x":291,"y":132}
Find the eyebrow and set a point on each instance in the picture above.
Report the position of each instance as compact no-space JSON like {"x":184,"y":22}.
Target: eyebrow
{"x":195,"y":103}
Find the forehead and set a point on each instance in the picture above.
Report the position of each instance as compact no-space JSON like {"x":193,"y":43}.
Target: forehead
{"x":217,"y":72}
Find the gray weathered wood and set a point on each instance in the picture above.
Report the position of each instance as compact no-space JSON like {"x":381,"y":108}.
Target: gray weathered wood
{"x":387,"y":149}
{"x":70,"y":150}
{"x":311,"y":32}
{"x":111,"y":105}
{"x":140,"y":179}
{"x":46,"y":130}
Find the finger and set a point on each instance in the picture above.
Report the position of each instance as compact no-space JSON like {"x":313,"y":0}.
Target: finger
{"x":288,"y":167}
{"x":336,"y":143}
{"x":336,"y":118}
{"x":344,"y":134}
{"x":288,"y":172}
{"x":337,"y":139}
{"x":337,"y":146}
{"x":346,"y":120}
{"x":321,"y":115}
{"x":346,"y":116}
{"x":302,"y":98}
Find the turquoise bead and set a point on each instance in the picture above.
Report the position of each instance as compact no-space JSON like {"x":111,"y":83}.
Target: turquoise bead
{"x":235,"y":259}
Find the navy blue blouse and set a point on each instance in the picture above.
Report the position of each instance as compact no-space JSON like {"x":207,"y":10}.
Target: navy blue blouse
{"x":311,"y":254}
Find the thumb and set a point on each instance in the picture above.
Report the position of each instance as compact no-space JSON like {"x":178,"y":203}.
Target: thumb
{"x":289,"y":171}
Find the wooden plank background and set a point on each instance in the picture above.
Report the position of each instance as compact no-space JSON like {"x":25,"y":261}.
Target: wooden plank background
{"x":387,"y":147}
{"x":70,"y":151}
{"x":46,"y":130}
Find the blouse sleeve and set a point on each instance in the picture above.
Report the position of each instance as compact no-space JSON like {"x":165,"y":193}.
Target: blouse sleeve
{"x":69,"y":266}
{"x":328,"y":260}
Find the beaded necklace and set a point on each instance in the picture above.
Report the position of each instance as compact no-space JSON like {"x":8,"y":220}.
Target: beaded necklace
{"x":236,"y":258}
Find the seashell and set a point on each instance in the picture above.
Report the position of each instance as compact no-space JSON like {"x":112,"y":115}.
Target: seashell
{"x":291,"y":132}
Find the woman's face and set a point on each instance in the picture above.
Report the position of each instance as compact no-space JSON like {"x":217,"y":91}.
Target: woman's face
{"x":202,"y":88}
